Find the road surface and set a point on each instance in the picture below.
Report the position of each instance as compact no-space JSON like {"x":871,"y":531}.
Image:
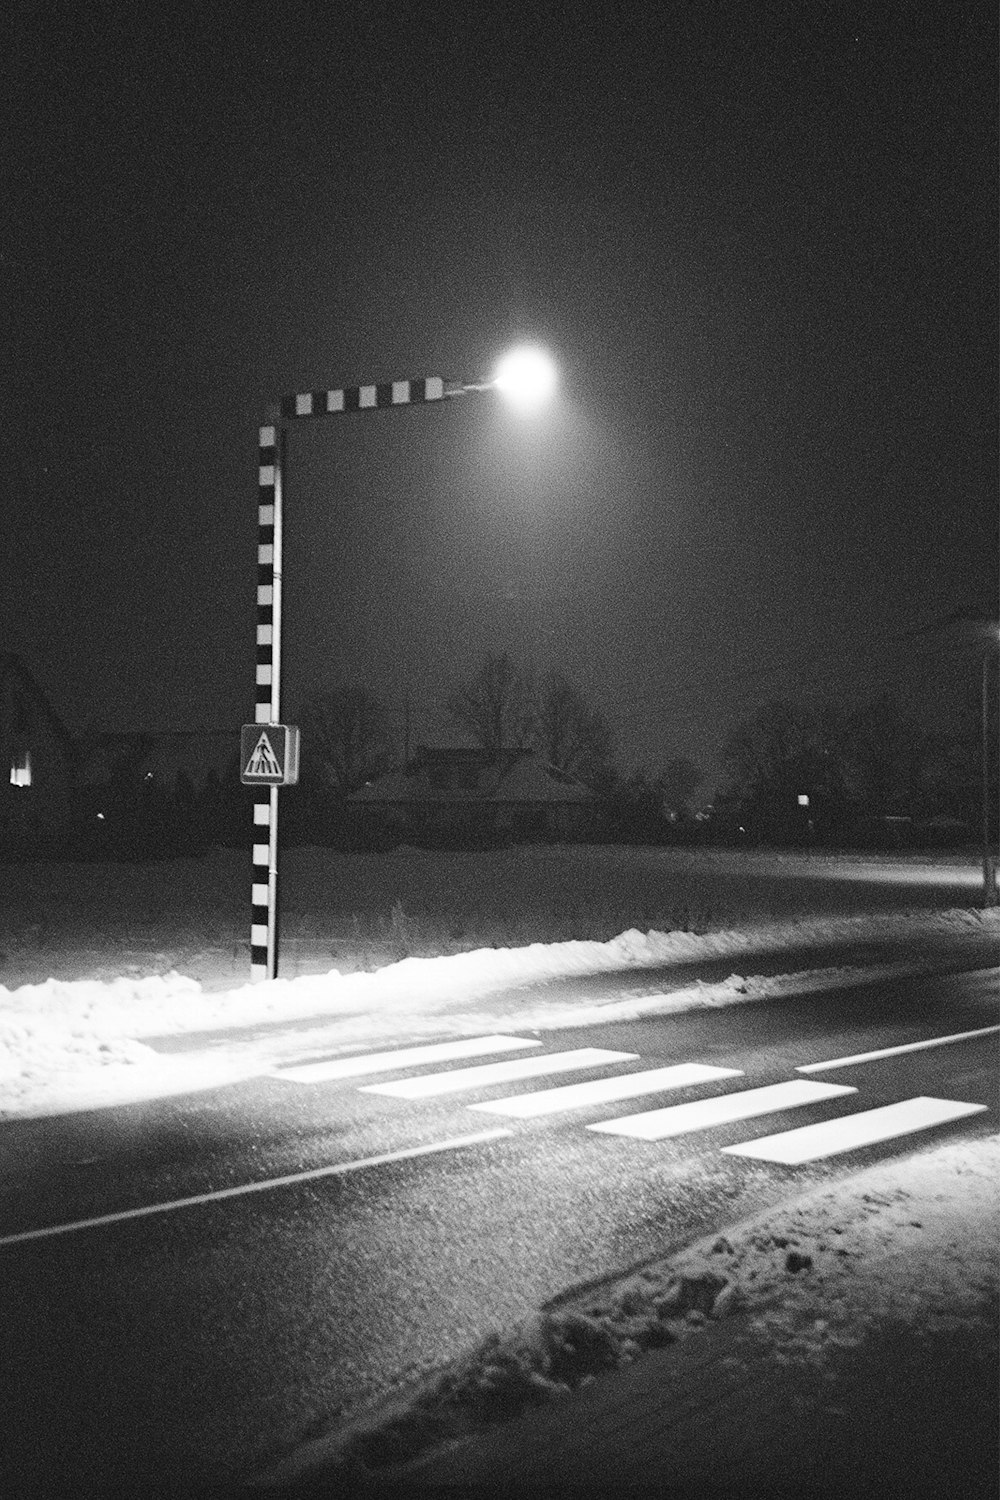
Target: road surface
{"x":190,"y":1285}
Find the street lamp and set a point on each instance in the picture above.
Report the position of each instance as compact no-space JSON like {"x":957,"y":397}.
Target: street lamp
{"x":269,"y":750}
{"x":526,"y":376}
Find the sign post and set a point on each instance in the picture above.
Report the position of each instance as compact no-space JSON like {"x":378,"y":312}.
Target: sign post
{"x":525,"y":377}
{"x":269,"y":757}
{"x":268,"y":746}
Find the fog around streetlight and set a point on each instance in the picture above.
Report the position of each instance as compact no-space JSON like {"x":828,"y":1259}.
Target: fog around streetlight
{"x":526,"y":376}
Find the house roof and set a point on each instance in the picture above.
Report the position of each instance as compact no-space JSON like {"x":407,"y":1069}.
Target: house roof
{"x":510,"y":776}
{"x":23,"y":706}
{"x":531,"y":780}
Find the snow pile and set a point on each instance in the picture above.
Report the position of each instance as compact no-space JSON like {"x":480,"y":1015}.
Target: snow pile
{"x":912,"y":1241}
{"x":33,"y":1047}
{"x":915,"y":1241}
{"x":53,"y":1036}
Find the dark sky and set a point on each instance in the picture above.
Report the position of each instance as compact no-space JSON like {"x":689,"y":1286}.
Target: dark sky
{"x":759,"y":239}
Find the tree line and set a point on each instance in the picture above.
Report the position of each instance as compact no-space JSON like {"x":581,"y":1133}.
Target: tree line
{"x":831,"y":770}
{"x":855,"y":766}
{"x":499,"y":707}
{"x":346,"y":739}
{"x":791,"y":773}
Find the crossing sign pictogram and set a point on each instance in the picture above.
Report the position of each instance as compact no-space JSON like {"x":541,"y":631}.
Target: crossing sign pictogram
{"x":269,"y":755}
{"x":262,"y":765}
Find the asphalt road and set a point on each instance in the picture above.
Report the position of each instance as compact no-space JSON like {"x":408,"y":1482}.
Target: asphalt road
{"x":167,"y":1348}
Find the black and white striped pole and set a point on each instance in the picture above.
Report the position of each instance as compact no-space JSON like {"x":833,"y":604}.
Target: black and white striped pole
{"x":267,"y":707}
{"x":269,"y":750}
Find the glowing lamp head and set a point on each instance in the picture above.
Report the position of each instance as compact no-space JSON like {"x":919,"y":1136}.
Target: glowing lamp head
{"x":526,"y":376}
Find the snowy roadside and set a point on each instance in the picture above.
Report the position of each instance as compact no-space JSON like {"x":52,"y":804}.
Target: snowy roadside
{"x":913,"y":1242}
{"x":68,"y":1045}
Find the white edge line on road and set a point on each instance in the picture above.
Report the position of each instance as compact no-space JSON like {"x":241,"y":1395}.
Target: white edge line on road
{"x":257,"y":1187}
{"x":863,"y":1057}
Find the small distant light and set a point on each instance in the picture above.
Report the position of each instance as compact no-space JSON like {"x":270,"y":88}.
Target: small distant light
{"x":803,"y":800}
{"x":149,"y":776}
{"x":100,"y":817}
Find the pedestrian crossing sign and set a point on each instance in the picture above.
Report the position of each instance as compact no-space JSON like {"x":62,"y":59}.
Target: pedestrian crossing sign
{"x":269,"y":755}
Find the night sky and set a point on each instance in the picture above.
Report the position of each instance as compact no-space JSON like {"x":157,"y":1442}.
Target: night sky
{"x":759,"y":239}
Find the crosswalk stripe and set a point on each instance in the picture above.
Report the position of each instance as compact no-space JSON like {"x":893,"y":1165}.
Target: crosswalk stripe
{"x":503,"y":1072}
{"x":407,"y":1057}
{"x":701,"y":1114}
{"x":602,"y":1090}
{"x":850,"y":1132}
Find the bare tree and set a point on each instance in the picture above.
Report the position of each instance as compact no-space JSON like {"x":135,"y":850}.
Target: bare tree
{"x":868,"y":762}
{"x":774,"y":753}
{"x":676,"y":784}
{"x":496,"y":706}
{"x":571,"y":735}
{"x":344,"y":736}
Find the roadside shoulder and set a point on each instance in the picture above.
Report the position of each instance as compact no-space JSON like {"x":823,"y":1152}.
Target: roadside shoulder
{"x":765,"y":1347}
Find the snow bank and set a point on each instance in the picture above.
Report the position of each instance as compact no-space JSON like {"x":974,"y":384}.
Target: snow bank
{"x":69,"y":1044}
{"x":912,"y":1241}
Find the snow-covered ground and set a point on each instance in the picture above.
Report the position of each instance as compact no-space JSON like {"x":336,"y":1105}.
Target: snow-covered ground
{"x":81,"y":1040}
{"x":912,"y":1243}
{"x":428,"y":945}
{"x":362,"y":911}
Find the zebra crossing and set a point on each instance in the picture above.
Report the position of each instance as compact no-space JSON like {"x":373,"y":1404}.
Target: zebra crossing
{"x":794,"y":1147}
{"x":702,"y":1114}
{"x":458,"y":1079}
{"x":605,"y":1090}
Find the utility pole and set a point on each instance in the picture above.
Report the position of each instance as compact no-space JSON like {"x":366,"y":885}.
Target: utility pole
{"x":990,"y":895}
{"x":406,"y":723}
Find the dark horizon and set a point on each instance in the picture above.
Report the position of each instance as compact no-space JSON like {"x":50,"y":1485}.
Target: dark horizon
{"x":763,"y":254}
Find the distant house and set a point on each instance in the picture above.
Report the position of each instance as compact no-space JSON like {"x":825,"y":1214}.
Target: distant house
{"x":109,"y":762}
{"x":38,"y":757}
{"x":472,"y":795}
{"x":170,"y":761}
{"x":184,"y":760}
{"x":60,"y":793}
{"x":134,"y":782}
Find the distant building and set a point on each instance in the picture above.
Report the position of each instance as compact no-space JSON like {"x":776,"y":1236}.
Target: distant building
{"x":167,"y":760}
{"x":472,"y":795}
{"x":142,"y":787}
{"x":65,"y":795}
{"x":38,"y":758}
